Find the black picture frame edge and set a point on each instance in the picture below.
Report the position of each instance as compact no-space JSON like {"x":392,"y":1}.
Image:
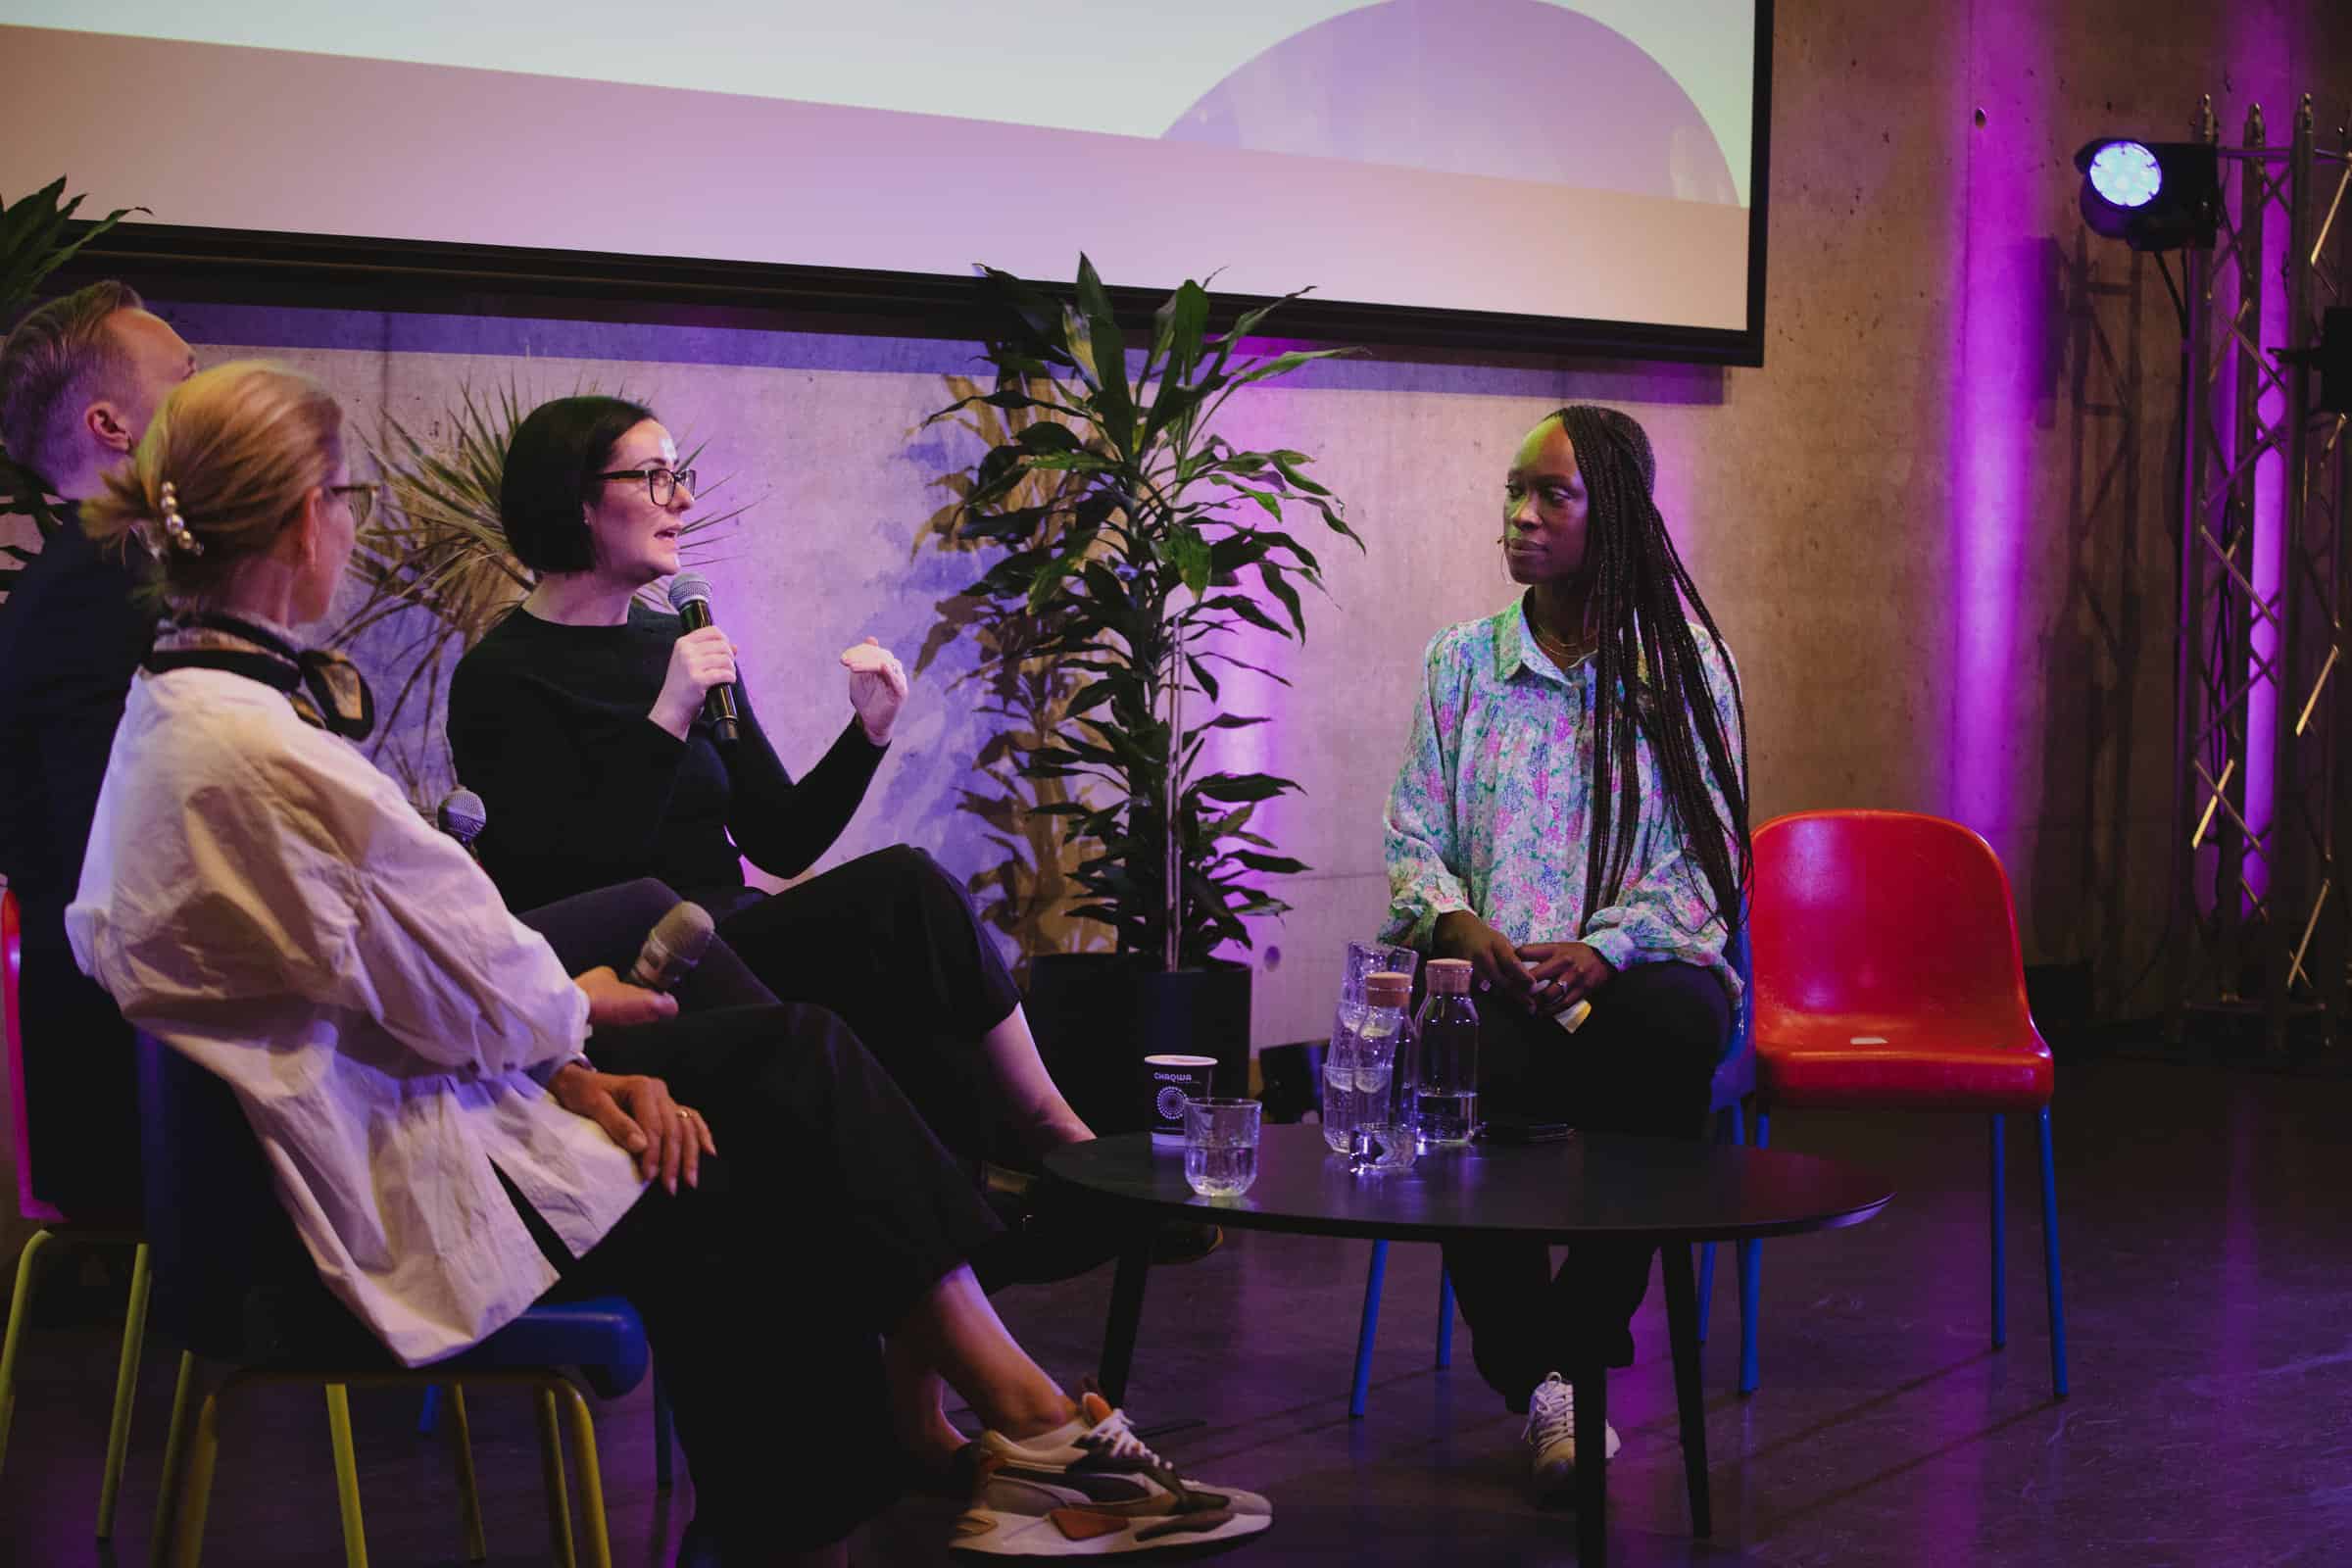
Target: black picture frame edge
{"x":1759,"y":187}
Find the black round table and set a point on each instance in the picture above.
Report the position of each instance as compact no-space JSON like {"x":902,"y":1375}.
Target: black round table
{"x":1581,"y":1188}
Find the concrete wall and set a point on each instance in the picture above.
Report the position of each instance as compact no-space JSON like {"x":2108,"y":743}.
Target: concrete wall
{"x":1934,"y":525}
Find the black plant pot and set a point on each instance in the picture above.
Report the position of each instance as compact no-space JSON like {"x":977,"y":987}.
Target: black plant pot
{"x":1096,"y":1016}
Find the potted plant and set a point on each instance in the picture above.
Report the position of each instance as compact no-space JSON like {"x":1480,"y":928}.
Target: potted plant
{"x":1156,"y":544}
{"x":32,"y":245}
{"x":1027,"y":893}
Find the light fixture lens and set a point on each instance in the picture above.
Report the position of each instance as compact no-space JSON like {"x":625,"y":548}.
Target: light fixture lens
{"x":2125,"y":173}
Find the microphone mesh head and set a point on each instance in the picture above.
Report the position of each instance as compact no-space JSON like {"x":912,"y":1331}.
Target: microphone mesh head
{"x":687,"y":587}
{"x":464,"y":815}
{"x":685,"y":932}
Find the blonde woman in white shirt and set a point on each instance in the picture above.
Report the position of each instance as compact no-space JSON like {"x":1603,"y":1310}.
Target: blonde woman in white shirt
{"x":262,"y":900}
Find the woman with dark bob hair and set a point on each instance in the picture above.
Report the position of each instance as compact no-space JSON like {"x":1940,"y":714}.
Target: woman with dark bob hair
{"x":579,"y":720}
{"x":457,"y":1126}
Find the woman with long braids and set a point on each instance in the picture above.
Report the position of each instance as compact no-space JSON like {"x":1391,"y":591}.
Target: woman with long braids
{"x":1572,"y":820}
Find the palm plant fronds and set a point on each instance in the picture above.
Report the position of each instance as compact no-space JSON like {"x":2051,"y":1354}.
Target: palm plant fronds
{"x":1032,"y":890}
{"x":34,"y":242}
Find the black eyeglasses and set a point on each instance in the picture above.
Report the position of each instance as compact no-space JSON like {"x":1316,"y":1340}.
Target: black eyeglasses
{"x":662,"y":485}
{"x":361,"y":498}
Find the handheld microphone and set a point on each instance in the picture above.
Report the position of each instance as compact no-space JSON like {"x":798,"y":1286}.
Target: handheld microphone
{"x":462,"y":816}
{"x":672,"y":948}
{"x":690,"y":596}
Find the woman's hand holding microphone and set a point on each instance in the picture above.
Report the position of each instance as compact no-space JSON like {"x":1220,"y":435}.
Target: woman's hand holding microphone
{"x":698,"y":661}
{"x":701,"y":659}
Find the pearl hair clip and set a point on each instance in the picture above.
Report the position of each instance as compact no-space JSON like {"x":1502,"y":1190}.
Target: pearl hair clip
{"x":175,"y":527}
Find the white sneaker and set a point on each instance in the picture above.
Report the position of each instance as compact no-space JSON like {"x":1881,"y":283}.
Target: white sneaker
{"x":1093,"y":1489}
{"x":1551,"y":1435}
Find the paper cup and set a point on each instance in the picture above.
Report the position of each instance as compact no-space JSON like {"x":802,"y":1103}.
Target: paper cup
{"x":1172,"y":1081}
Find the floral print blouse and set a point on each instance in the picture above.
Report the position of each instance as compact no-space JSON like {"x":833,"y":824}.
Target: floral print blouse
{"x":1492,"y":807}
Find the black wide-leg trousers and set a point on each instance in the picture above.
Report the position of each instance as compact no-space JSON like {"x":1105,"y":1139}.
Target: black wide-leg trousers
{"x":892,"y":945}
{"x":830,"y":1211}
{"x":1642,"y":1064}
{"x":79,"y":1121}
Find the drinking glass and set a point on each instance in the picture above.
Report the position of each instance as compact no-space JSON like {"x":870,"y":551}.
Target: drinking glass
{"x":1384,"y":1148}
{"x":1373,"y":958}
{"x":1342,"y":1104}
{"x":1220,"y":1146}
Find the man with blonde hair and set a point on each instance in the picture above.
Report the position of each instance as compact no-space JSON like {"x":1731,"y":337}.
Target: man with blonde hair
{"x":80,"y":379}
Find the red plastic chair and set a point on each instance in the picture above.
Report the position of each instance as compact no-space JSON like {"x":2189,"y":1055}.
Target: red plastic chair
{"x":56,"y":1227}
{"x":1888,"y":978}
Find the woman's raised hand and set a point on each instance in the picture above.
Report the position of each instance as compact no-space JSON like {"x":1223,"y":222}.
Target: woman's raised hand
{"x":877,"y":687}
{"x":698,"y":661}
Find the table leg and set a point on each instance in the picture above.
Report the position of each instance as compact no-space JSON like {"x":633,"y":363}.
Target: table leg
{"x":1126,"y":1314}
{"x":1681,"y":1327}
{"x":1591,"y":1383}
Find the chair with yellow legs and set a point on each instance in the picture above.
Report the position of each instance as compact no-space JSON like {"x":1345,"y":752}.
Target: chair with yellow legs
{"x":58,"y":1228}
{"x":233,"y":1285}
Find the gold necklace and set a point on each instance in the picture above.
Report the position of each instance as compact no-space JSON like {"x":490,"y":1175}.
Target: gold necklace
{"x":1559,"y":650}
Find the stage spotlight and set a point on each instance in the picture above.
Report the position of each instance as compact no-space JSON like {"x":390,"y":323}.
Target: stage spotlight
{"x":2153,"y":196}
{"x":2125,"y":173}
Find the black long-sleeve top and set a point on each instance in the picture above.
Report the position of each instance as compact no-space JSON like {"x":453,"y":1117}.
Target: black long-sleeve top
{"x":71,"y":636}
{"x":550,"y":725}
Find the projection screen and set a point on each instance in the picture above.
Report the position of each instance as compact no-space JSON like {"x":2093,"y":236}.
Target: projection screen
{"x":1566,"y":175}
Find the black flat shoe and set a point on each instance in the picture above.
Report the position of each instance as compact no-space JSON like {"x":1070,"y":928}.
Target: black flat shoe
{"x":1046,"y":1238}
{"x":1049,"y":1239}
{"x":1186,"y":1241}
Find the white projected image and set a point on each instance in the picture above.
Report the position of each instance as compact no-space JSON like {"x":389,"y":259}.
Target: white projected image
{"x":1521,"y":156}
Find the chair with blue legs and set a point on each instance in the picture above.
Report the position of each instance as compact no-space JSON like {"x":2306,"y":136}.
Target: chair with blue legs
{"x":1733,"y":1088}
{"x":233,"y":1285}
{"x":1735,"y":1081}
{"x":56,"y":1229}
{"x":1888,"y":978}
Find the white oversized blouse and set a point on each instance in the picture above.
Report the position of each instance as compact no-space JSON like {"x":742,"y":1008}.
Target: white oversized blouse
{"x":258,"y":896}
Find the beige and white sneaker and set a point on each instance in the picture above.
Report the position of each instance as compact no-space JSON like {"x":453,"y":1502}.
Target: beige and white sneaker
{"x":1551,"y":1435}
{"x":1093,"y":1489}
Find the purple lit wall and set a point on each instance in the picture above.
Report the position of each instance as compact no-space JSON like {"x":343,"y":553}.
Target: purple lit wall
{"x":2265,"y":569}
{"x":1997,"y":321}
{"x":2060,"y":570}
{"x":2259,"y":55}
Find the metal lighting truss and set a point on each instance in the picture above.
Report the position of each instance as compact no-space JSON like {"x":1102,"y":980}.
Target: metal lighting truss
{"x":2261,"y":906}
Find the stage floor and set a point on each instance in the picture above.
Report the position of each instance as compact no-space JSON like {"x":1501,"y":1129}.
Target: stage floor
{"x":2206,"y":1268}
